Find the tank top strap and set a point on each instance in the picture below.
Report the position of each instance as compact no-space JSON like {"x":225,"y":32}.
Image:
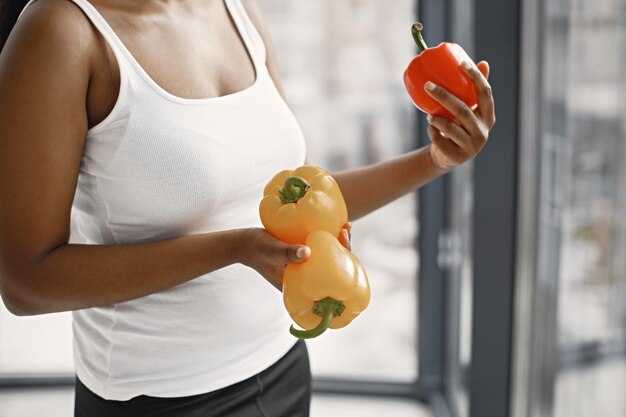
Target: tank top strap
{"x":248,"y":31}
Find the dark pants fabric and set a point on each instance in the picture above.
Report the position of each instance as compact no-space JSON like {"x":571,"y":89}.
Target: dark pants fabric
{"x":283,"y":390}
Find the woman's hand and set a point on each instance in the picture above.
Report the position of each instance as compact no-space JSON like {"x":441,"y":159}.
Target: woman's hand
{"x":269,"y":256}
{"x":456,"y":142}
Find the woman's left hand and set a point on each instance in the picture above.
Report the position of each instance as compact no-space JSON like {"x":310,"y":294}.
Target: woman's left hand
{"x":454,"y":142}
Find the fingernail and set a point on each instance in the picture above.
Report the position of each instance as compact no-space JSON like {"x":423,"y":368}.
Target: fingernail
{"x":429,"y":118}
{"x":466,"y":65}
{"x":345,"y":234}
{"x":430,"y":86}
{"x":303,"y":252}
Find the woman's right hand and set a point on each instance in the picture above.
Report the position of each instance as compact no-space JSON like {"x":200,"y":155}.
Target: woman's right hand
{"x":269,"y":256}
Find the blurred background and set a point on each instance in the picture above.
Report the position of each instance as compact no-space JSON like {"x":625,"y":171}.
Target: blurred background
{"x":498,"y":290}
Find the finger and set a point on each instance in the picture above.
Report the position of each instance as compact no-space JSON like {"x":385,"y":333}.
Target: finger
{"x":483,"y":91}
{"x":454,"y":105}
{"x":445,"y":146}
{"x":293,"y":254}
{"x":348,"y":227}
{"x":455,"y":133}
{"x":344,"y":239}
{"x":483,"y":67}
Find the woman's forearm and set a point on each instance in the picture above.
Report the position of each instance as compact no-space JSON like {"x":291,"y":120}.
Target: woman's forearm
{"x":76,"y":276}
{"x":369,"y":188}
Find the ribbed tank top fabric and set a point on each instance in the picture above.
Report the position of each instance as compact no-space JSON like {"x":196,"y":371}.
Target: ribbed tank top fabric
{"x":161,"y":166}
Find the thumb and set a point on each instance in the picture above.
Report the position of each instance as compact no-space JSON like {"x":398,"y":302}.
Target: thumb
{"x":295,"y":254}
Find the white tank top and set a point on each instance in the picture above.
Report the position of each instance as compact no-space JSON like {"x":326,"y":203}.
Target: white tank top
{"x":161,"y":166}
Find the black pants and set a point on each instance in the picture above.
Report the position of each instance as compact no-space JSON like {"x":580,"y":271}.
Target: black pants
{"x":282,"y":390}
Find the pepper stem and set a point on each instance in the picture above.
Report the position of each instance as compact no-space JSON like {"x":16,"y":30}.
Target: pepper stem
{"x":416,"y":31}
{"x":327,"y":308}
{"x":295,"y":188}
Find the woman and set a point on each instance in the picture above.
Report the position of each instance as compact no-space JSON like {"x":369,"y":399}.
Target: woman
{"x":135,"y":140}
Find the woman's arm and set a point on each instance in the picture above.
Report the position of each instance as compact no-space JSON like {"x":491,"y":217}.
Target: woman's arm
{"x":371,"y":187}
{"x":44,"y":77}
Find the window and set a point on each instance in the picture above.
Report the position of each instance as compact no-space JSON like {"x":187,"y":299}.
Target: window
{"x":585,"y":130}
{"x":577,"y":334}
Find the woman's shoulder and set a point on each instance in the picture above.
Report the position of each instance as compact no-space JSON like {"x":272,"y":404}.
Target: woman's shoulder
{"x":60,"y":26}
{"x":49,"y":55}
{"x":62,"y":16}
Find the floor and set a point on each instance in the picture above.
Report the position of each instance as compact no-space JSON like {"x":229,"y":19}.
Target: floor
{"x":59,"y":403}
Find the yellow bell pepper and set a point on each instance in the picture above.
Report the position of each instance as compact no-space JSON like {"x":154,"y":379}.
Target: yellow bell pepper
{"x":296,"y":203}
{"x":328,"y":290}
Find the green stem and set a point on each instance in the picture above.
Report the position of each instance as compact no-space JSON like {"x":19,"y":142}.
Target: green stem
{"x":416,"y":31}
{"x":327,"y":308}
{"x":295,"y":188}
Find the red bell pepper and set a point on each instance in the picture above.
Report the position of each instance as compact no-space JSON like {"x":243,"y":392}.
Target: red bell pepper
{"x":442,"y":66}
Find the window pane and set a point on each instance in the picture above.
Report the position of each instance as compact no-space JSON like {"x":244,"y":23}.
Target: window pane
{"x":341,"y":64}
{"x":584,"y":139}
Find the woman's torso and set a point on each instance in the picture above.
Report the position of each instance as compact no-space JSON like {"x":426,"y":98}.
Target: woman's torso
{"x":174,"y":153}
